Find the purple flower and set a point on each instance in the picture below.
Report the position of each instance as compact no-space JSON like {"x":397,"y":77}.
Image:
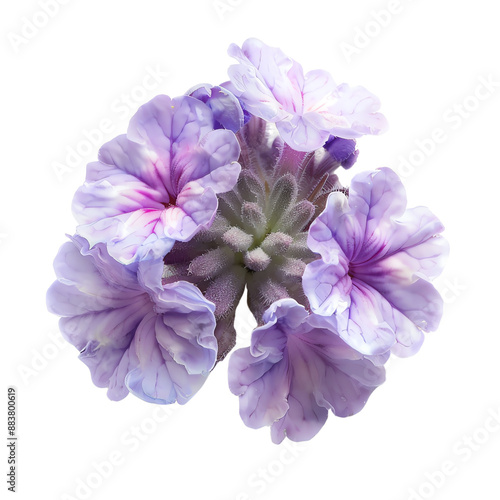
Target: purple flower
{"x":376,"y":262}
{"x":225,"y":106}
{"x":306,"y":108}
{"x":233,"y":189}
{"x":157,"y":184}
{"x":342,"y":150}
{"x":135,"y":335}
{"x":296,"y":369}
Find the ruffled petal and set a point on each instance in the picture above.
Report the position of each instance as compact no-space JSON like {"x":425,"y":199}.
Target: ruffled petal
{"x":387,"y":253}
{"x":150,"y":379}
{"x":306,"y":109}
{"x":101,"y":305}
{"x":296,"y":369}
{"x":262,"y":400}
{"x":416,"y":244}
{"x":365,"y":325}
{"x":359,"y":108}
{"x":134,"y":236}
{"x":301,"y":134}
{"x":318,"y":86}
{"x":328,"y":287}
{"x":376,"y":199}
{"x":138,"y":199}
{"x":213,"y":166}
{"x":157,"y":341}
{"x":188,"y":326}
{"x":81,"y":288}
{"x":225,"y":106}
{"x":171,"y":128}
{"x":106,"y":363}
{"x":123,"y":161}
{"x":176,"y":347}
{"x":261,"y":79}
{"x":196,"y":207}
{"x":339,"y":230}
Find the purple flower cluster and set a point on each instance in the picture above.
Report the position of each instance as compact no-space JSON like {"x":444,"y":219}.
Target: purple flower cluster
{"x":232,"y":188}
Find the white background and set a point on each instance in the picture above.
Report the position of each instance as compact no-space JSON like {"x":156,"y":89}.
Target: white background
{"x":435,"y":410}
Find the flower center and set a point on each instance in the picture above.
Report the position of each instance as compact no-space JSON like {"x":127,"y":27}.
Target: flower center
{"x":258,"y":239}
{"x":171,"y":201}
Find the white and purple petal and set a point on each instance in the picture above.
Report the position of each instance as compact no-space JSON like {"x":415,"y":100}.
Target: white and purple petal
{"x":225,"y":106}
{"x":175,"y":348}
{"x":133,"y":333}
{"x":158,"y":184}
{"x":98,"y":315}
{"x":296,"y":369}
{"x":377,"y":259}
{"x":360,"y":110}
{"x":306,"y":108}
